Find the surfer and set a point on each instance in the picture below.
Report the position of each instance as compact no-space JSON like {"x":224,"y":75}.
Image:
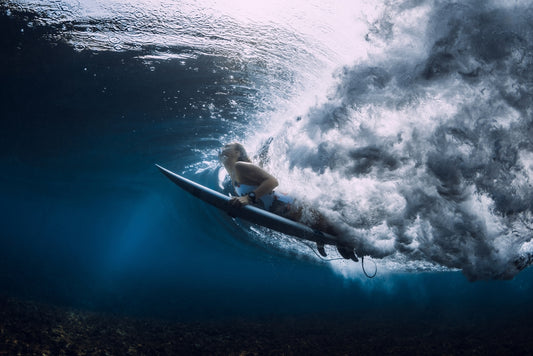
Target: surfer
{"x":254,"y":185}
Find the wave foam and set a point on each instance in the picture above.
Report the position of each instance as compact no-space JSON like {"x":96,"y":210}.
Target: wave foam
{"x":426,"y":159}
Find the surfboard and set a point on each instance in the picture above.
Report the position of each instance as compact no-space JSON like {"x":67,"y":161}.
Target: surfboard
{"x":251,"y":213}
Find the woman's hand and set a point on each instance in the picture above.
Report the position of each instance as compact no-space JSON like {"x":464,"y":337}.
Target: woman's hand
{"x":238,"y":202}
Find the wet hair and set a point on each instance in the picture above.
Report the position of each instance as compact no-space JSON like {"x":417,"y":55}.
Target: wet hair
{"x":243,"y":156}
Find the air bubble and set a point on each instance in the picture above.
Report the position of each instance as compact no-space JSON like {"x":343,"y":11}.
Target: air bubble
{"x":139,"y":14}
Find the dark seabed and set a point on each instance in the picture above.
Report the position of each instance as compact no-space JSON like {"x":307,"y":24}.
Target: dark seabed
{"x":101,"y":254}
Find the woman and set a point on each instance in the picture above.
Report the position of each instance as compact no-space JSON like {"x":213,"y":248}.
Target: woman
{"x":256,"y":186}
{"x":253,"y":184}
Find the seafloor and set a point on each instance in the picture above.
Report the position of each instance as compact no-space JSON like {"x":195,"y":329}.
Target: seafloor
{"x":29,"y":328}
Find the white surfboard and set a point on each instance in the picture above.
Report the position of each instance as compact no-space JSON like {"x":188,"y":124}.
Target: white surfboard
{"x":253,"y":214}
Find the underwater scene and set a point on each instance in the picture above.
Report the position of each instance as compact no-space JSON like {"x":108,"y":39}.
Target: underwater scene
{"x":407,"y":124}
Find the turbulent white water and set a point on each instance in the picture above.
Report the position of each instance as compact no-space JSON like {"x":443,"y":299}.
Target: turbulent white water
{"x":409,"y":123}
{"x":423,"y":150}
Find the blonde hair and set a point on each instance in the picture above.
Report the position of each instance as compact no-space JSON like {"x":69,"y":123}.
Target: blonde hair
{"x":243,"y":156}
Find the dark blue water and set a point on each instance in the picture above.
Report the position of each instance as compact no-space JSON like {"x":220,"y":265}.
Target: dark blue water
{"x":88,"y":221}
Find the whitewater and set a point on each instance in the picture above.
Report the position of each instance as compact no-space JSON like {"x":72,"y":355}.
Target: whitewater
{"x":407,"y":123}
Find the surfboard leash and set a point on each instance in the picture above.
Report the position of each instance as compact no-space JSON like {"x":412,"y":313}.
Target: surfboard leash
{"x":364,"y":271}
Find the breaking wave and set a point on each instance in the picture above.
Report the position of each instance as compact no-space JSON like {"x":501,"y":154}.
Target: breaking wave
{"x":423,"y":151}
{"x":408,"y":123}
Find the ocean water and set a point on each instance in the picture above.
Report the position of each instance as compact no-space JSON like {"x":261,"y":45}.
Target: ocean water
{"x":408,"y":123}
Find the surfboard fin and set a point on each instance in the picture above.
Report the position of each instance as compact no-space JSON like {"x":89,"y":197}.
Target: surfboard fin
{"x":321,"y":250}
{"x":347,"y":253}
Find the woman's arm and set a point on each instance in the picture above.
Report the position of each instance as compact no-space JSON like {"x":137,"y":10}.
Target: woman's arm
{"x":248,"y":173}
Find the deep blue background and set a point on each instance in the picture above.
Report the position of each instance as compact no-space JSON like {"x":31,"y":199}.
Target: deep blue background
{"x":88,"y":221}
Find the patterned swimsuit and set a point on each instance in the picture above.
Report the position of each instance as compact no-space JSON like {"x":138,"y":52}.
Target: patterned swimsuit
{"x":277,"y":203}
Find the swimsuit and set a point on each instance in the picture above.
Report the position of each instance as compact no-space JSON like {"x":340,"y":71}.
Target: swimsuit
{"x":277,"y":203}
